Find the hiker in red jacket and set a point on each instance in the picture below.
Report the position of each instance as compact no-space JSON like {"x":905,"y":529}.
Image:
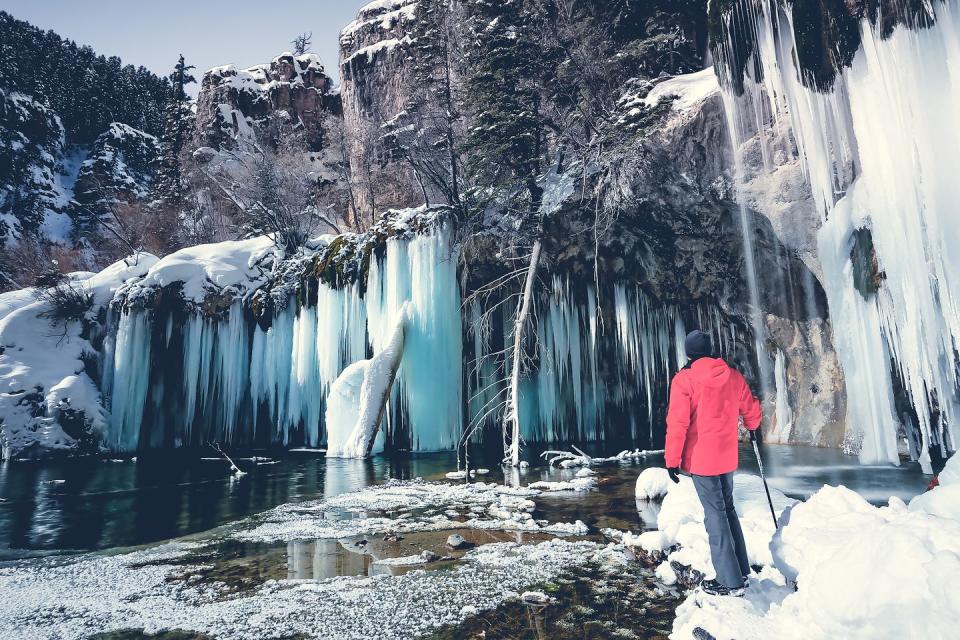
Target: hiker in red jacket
{"x":707,"y":399}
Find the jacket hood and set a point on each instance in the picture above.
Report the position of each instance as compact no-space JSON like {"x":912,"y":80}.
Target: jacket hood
{"x":710,"y":372}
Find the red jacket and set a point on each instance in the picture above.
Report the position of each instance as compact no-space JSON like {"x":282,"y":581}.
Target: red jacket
{"x":706,"y":401}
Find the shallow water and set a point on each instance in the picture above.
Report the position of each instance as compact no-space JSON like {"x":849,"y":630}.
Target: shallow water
{"x":93,"y":504}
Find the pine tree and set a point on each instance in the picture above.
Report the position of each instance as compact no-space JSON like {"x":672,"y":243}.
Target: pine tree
{"x":505,"y":141}
{"x":170,"y":189}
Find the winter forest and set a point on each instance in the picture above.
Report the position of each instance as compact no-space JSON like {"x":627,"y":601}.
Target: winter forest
{"x":389,"y":345}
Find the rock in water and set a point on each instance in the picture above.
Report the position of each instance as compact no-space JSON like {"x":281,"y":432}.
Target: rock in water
{"x":456,"y":541}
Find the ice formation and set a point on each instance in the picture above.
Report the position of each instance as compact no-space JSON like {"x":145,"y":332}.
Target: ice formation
{"x":879,"y":151}
{"x":229,"y":380}
{"x":565,"y":397}
{"x":355,"y":406}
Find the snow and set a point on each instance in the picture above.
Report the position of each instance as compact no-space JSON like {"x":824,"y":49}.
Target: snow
{"x":680,"y":522}
{"x":39,"y":357}
{"x":405,"y":506}
{"x":144,"y":590}
{"x":653,"y":483}
{"x":380,"y":14}
{"x":687,"y":90}
{"x":577,"y":484}
{"x":370,"y":51}
{"x":211,"y":268}
{"x":859,"y":571}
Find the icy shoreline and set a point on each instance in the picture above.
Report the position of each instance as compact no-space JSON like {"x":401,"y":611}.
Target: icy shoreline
{"x":157,"y":589}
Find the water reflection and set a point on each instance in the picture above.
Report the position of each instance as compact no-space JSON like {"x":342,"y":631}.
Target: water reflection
{"x":322,"y":559}
{"x":96,"y":504}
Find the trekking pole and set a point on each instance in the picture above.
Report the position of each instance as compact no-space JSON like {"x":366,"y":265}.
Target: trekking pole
{"x":756,"y":451}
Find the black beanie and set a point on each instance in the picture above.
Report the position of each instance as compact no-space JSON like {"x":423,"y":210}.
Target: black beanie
{"x":698,"y":344}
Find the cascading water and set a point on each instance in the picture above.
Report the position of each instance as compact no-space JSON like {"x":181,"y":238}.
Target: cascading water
{"x":879,"y":149}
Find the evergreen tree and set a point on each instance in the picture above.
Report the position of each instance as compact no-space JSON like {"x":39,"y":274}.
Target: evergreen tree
{"x":170,"y":189}
{"x":504,"y":62}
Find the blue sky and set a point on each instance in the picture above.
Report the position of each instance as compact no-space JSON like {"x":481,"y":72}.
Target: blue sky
{"x":153,"y":33}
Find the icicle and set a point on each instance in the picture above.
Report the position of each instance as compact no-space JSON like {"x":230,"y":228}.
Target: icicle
{"x":130,"y":377}
{"x":892,"y":117}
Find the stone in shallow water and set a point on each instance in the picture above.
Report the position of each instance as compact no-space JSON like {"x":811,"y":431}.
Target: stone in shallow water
{"x":456,"y":541}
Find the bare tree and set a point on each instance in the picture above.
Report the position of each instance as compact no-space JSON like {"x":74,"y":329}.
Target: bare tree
{"x":301,"y":44}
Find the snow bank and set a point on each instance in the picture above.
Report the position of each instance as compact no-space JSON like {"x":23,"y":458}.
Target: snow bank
{"x":42,"y":378}
{"x":680,"y":522}
{"x":212,"y":268}
{"x":860,"y":572}
{"x":687,"y":90}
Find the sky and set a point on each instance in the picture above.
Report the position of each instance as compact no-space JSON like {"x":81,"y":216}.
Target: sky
{"x":209,"y":33}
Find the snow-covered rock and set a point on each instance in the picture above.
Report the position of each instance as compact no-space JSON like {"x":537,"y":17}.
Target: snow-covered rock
{"x":577,"y":484}
{"x":119,"y":169}
{"x":653,"y":483}
{"x":235,"y":105}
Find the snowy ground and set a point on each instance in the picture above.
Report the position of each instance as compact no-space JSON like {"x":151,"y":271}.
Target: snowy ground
{"x":134,"y":591}
{"x":838,"y":567}
{"x":157,"y":589}
{"x":400,"y":507}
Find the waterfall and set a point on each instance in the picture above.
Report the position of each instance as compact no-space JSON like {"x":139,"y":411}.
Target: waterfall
{"x":879,"y":149}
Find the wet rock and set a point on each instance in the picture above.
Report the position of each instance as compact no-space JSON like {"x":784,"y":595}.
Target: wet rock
{"x":427,"y":556}
{"x":456,"y":541}
{"x":535,"y":597}
{"x":687,"y":577}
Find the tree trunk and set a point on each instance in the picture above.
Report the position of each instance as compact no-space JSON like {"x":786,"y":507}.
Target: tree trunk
{"x":513,"y":395}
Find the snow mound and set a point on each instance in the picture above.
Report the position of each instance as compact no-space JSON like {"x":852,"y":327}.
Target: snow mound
{"x":42,"y":379}
{"x":680,"y":522}
{"x":211,"y":268}
{"x":653,"y":483}
{"x":860,"y":571}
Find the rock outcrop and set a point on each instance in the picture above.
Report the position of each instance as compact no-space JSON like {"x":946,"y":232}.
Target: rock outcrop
{"x":375,"y":85}
{"x":236,"y":105}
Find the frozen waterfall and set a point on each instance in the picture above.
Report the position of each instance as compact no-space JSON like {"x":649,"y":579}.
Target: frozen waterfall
{"x":880,"y":151}
{"x":176,"y":378}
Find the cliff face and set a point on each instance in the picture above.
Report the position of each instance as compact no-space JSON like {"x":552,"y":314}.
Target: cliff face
{"x":375,"y":81}
{"x":234,"y":105}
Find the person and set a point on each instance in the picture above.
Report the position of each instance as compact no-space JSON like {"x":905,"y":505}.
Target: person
{"x":707,"y":399}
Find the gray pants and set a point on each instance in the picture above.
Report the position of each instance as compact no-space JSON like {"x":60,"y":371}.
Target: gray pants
{"x":727,"y":548}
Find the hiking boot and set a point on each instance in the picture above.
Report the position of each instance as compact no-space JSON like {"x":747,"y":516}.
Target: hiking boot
{"x":714,"y":588}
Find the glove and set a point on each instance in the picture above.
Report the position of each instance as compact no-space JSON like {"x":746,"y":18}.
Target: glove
{"x":674,"y":473}
{"x":753,"y":435}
